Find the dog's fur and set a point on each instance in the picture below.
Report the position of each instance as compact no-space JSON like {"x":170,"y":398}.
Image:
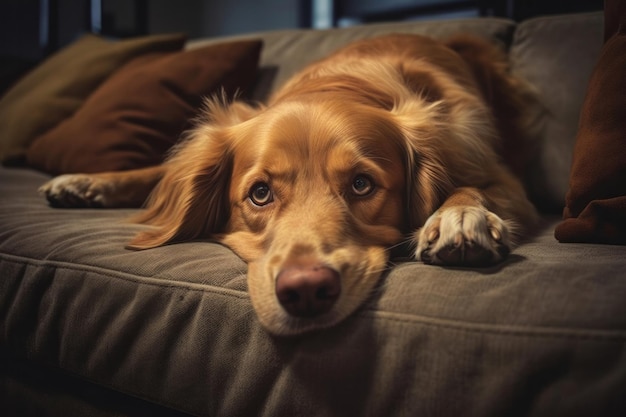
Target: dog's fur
{"x":387,"y":138}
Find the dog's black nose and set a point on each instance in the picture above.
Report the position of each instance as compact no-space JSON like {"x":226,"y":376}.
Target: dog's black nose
{"x":308,"y":291}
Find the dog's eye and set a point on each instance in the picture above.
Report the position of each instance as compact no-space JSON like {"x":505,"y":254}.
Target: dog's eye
{"x":362,"y":185}
{"x":261,"y":194}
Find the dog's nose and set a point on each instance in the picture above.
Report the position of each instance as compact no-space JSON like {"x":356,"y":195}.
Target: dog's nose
{"x":308,"y":291}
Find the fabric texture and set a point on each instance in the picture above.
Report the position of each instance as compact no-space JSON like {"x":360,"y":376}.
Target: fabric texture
{"x":174,"y":326}
{"x":287,"y":51}
{"x":544,"y":50}
{"x":595,"y":205}
{"x":56,"y":88}
{"x":136,"y":115}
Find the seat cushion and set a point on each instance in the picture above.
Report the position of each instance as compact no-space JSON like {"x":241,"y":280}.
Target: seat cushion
{"x":174,"y":325}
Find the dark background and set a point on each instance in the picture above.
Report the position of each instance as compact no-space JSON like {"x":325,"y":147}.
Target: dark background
{"x":30,"y":30}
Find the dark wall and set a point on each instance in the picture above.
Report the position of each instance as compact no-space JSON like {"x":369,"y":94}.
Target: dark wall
{"x":21,"y":33}
{"x":19,"y":28}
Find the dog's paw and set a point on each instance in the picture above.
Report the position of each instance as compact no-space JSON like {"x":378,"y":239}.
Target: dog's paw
{"x":75,"y":190}
{"x":463,"y":236}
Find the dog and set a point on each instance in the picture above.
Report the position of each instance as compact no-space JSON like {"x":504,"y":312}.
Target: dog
{"x":390,"y":139}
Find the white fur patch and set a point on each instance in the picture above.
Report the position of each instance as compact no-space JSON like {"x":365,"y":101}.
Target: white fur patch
{"x":71,"y":190}
{"x":474,"y":231}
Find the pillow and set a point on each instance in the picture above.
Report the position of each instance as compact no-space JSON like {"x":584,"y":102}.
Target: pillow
{"x":595,"y":204}
{"x":57,"y":87}
{"x":135,"y":116}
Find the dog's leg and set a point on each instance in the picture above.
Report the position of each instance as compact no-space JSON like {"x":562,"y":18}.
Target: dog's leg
{"x":107,"y":189}
{"x":474,"y":227}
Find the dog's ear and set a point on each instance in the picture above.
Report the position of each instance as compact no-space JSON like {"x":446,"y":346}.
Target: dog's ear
{"x":191,"y":201}
{"x":428,"y":183}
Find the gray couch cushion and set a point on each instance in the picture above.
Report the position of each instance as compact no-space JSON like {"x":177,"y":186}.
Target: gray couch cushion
{"x":556,"y":55}
{"x":174,"y":325}
{"x":285,"y":52}
{"x":543,"y":51}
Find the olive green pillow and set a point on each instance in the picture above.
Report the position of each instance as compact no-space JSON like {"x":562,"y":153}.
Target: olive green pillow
{"x":56,"y":88}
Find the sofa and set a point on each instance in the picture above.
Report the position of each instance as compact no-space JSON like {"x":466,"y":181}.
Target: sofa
{"x":89,"y":328}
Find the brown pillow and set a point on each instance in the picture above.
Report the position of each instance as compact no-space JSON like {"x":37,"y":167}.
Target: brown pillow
{"x":595,"y":205}
{"x":56,"y":88}
{"x":140,"y":112}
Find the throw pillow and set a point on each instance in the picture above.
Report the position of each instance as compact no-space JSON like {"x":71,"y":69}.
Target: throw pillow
{"x":595,"y":209}
{"x":54,"y":90}
{"x":135,"y":116}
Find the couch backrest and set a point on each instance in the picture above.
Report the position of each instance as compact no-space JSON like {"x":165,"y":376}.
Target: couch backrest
{"x":555,"y":54}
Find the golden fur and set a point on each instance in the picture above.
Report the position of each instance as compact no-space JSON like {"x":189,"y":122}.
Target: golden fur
{"x":387,"y":138}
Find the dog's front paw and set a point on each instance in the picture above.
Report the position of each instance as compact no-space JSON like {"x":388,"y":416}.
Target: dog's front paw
{"x":463,"y":236}
{"x":74,"y":190}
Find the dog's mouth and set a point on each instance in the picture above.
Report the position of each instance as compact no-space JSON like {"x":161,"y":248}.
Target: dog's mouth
{"x":296,"y":298}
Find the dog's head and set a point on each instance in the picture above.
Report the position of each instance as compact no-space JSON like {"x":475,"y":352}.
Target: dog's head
{"x":317,"y":196}
{"x":314,"y":189}
{"x":311,"y":193}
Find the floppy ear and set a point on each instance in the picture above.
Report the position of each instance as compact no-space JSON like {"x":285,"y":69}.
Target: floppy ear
{"x":420,"y":122}
{"x":514,"y":103}
{"x":449,"y":134}
{"x":421,"y":114}
{"x":191,"y":201}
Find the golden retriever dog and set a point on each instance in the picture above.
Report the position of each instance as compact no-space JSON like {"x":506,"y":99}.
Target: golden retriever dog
{"x":387,"y":140}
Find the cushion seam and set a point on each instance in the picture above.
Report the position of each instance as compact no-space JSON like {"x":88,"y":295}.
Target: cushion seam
{"x":122,"y":275}
{"x":502,"y":329}
{"x":442,"y":323}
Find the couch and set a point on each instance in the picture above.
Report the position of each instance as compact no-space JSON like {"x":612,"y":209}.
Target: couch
{"x":88,"y":328}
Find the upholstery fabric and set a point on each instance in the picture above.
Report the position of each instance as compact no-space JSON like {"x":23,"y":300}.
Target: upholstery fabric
{"x":595,"y":209}
{"x":175,"y":326}
{"x":548,"y":174}
{"x":55,"y":89}
{"x":136,"y":115}
{"x":287,"y":51}
{"x":561,"y":44}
